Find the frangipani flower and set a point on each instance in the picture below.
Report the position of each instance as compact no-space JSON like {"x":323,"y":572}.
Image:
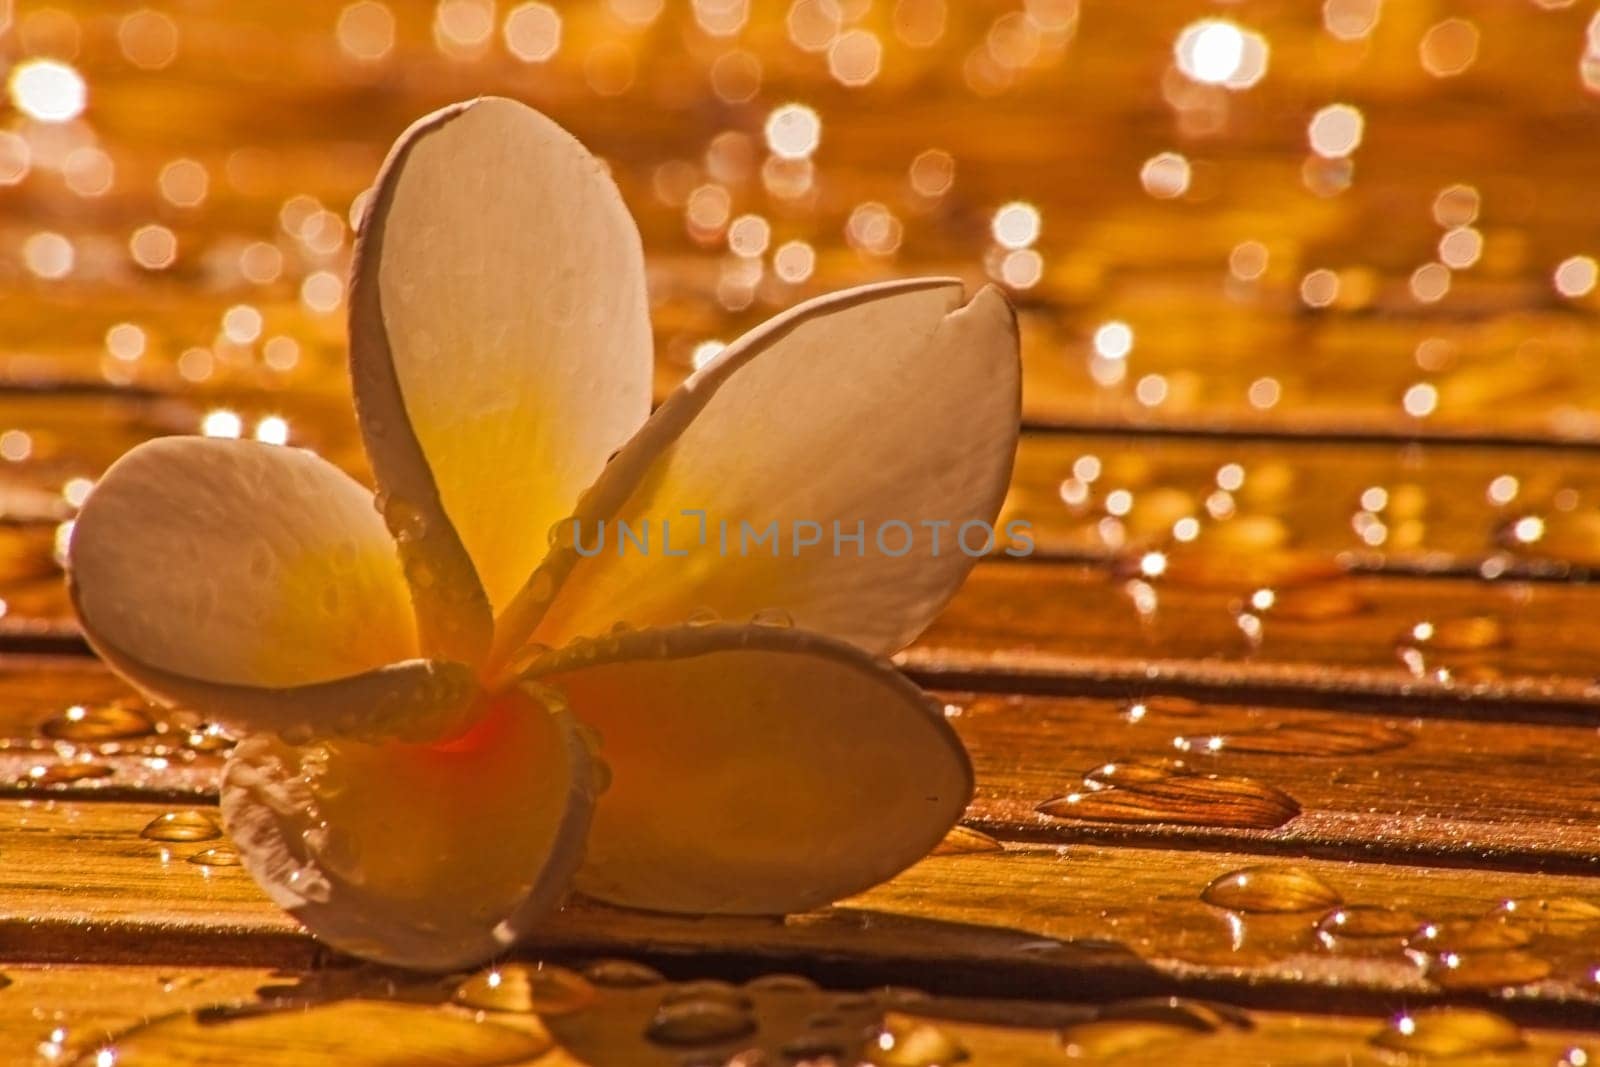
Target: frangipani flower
{"x":434,"y":693}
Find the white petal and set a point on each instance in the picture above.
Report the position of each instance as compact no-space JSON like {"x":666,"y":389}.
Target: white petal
{"x":254,"y":583}
{"x":755,"y":770}
{"x":428,"y":856}
{"x":881,"y":410}
{"x":500,"y":342}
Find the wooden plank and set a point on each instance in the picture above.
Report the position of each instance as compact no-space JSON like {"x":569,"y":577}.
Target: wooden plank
{"x":1360,"y":784}
{"x":80,"y":883}
{"x":1325,"y":638}
{"x":63,"y":1012}
{"x":1357,"y":785}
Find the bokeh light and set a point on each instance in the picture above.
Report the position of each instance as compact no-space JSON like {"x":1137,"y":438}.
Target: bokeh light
{"x":47,"y":90}
{"x":1016,"y":225}
{"x":533,"y":32}
{"x":793,"y":131}
{"x":1336,"y":131}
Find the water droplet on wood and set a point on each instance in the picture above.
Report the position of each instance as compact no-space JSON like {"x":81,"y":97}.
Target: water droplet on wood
{"x":622,"y":974}
{"x":1547,"y":914}
{"x":221,"y":856}
{"x":1317,"y":602}
{"x":66,"y":773}
{"x":1365,"y":922}
{"x":963,"y":839}
{"x":699,"y":1021}
{"x":1129,"y":772}
{"x":781,"y":983}
{"x":1569,"y":536}
{"x":1485,"y":970}
{"x":1449,"y":1032}
{"x":353,"y":1033}
{"x":1135,"y":791}
{"x":1310,"y":737}
{"x":1466,"y":633}
{"x":814,"y":1048}
{"x":1467,"y":935}
{"x":527,"y":988}
{"x":116,"y":721}
{"x":419,"y":572}
{"x":1199,"y":1015}
{"x":1267,"y":888}
{"x":1204,"y":568}
{"x":1110,"y":1039}
{"x":1174,"y":707}
{"x":1124,"y":1026}
{"x":208,"y":739}
{"x":708,"y":989}
{"x":182,"y":826}
{"x":904,"y":1042}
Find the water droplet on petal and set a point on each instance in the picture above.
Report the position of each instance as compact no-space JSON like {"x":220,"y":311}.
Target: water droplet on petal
{"x":703,"y":617}
{"x":1547,"y":914}
{"x":600,"y":773}
{"x":776,"y":618}
{"x":540,"y":587}
{"x":406,"y":521}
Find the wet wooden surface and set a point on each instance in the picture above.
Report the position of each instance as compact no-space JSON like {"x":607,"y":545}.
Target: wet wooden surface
{"x":1312,"y":595}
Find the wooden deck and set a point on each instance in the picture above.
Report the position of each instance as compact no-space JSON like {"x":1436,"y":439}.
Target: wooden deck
{"x":1292,"y":716}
